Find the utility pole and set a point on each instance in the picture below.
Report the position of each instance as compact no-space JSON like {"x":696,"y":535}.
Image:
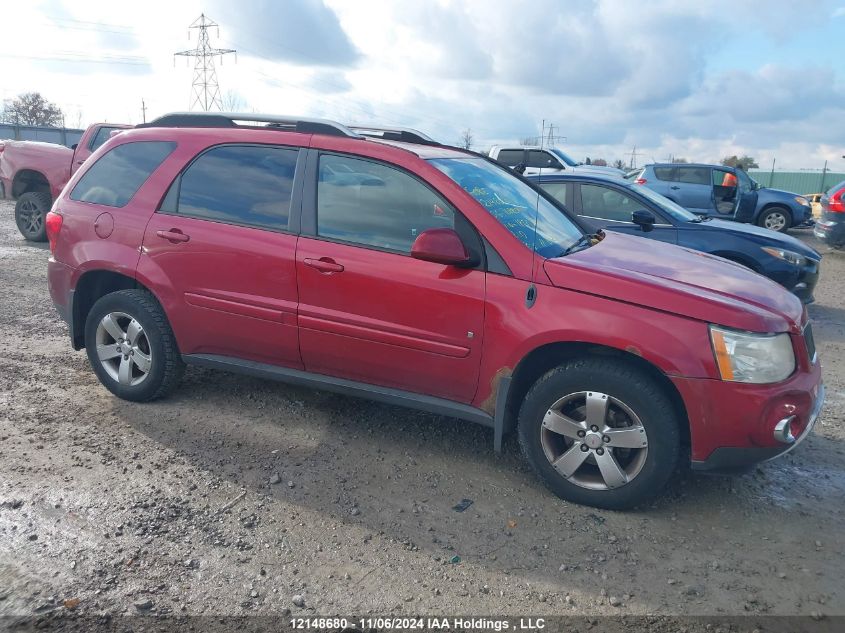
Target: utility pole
{"x":633,"y":154}
{"x":143,"y":111}
{"x":205,"y":92}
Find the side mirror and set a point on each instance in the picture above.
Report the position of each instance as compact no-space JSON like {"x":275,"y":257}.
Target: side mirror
{"x":441,"y":246}
{"x":74,"y":146}
{"x":519,"y":168}
{"x":644,"y":219}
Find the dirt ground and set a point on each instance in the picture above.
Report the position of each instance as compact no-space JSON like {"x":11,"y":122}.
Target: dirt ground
{"x":239,"y":496}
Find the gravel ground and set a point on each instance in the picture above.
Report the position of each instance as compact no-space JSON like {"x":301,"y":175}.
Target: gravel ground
{"x":239,"y":496}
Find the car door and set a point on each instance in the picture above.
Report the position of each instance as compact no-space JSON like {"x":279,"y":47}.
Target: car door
{"x":695,"y":189}
{"x":746,"y":204}
{"x":664,"y":182}
{"x":221,"y":249}
{"x":605,"y":206}
{"x":370,"y":312}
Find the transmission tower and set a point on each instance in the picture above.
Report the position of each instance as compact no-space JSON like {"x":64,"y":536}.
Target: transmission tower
{"x":205,"y":93}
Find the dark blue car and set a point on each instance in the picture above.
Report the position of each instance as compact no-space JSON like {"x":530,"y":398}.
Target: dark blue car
{"x":614,"y":204}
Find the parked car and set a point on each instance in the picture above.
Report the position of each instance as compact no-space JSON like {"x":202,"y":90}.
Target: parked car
{"x":611,"y":203}
{"x":33,"y":173}
{"x":727,"y":193}
{"x":452,"y":285}
{"x":815,"y":200}
{"x":545,"y":159}
{"x":830,"y":229}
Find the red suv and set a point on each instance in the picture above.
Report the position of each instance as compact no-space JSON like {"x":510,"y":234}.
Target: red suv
{"x":381,"y":264}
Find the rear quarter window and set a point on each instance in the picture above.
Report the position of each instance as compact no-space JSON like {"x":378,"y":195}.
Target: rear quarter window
{"x":120,"y":172}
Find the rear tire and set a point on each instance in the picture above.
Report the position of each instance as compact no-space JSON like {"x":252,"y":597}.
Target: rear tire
{"x":30,"y":211}
{"x":776,"y":218}
{"x":131,"y":346}
{"x":609,"y":429}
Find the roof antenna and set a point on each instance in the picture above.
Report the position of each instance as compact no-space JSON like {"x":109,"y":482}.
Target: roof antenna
{"x":531,"y":293}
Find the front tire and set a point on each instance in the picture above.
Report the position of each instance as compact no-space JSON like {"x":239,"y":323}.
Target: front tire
{"x":775,"y":218}
{"x":30,"y":211}
{"x":600,"y":432}
{"x":131,"y":346}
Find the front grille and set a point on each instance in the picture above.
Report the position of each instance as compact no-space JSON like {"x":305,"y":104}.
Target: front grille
{"x":809,"y":342}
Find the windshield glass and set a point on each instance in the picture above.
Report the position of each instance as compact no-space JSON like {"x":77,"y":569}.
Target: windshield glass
{"x":514,"y":204}
{"x":672,"y":208}
{"x":564,"y":157}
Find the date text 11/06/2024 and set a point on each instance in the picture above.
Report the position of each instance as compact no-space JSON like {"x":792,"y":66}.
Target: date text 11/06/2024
{"x":420,"y":623}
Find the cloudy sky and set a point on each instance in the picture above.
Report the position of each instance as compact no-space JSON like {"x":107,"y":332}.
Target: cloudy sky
{"x":699,"y":80}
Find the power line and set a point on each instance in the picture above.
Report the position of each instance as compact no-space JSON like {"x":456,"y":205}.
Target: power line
{"x":205,"y":90}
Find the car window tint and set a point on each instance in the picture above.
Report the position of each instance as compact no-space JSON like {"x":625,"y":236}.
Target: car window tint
{"x":666,"y":173}
{"x":120,"y":172}
{"x":102,"y":135}
{"x":557,"y":190}
{"x":608,"y":204}
{"x":540,"y":158}
{"x":511,"y":157}
{"x":240,"y":184}
{"x":694,"y":175}
{"x":372,"y":204}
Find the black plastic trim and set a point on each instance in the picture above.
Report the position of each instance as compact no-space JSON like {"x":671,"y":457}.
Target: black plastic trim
{"x":728,"y":460}
{"x":389,"y":395}
{"x":501,"y":423}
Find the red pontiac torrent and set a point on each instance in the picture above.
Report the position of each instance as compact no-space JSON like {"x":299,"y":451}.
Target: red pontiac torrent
{"x":378,"y":263}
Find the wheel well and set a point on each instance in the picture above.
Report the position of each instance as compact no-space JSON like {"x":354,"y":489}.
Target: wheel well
{"x":776,"y":205}
{"x":29,"y":180}
{"x":90,"y":287}
{"x":544,"y":358}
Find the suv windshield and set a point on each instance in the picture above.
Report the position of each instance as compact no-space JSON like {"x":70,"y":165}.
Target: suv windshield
{"x":673,"y":209}
{"x":515,"y":204}
{"x":564,"y":157}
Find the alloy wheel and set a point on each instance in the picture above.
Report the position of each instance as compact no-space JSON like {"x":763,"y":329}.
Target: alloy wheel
{"x":123,"y":348}
{"x":31,"y":217}
{"x":594,"y":440}
{"x":775,"y":221}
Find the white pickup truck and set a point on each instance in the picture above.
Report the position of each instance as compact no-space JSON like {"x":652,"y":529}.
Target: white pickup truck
{"x":550,"y":159}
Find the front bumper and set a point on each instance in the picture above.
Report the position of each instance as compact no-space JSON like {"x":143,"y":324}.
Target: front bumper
{"x":729,"y":459}
{"x":806,"y":282}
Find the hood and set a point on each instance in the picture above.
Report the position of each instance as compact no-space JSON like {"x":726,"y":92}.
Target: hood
{"x":599,"y":169}
{"x":765,"y":237}
{"x":679,"y":281}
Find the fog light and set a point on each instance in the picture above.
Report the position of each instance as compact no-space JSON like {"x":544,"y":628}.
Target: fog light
{"x":783,"y":430}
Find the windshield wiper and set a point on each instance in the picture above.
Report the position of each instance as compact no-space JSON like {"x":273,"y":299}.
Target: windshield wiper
{"x":584,"y":240}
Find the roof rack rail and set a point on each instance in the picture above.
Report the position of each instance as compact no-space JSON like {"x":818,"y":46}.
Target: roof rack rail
{"x":405,"y":135}
{"x":231,"y":119}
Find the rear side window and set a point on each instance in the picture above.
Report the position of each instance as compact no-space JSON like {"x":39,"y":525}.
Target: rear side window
{"x":694,"y":175}
{"x":510,"y":157}
{"x":240,"y":184}
{"x":666,"y":173}
{"x":120,"y":172}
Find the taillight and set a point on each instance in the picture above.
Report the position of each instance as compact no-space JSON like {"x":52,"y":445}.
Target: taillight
{"x":53,"y":224}
{"x":835,"y":204}
{"x":640,"y":181}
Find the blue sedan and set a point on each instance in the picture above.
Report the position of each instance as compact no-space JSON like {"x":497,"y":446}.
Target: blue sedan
{"x":614,"y":204}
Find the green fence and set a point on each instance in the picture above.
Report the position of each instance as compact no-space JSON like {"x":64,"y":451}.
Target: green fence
{"x":797,"y":181}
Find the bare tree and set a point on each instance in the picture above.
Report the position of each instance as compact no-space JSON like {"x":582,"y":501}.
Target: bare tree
{"x":619,"y":164}
{"x":681,"y":160}
{"x":232,"y":101}
{"x":31,"y":108}
{"x":467,"y":139}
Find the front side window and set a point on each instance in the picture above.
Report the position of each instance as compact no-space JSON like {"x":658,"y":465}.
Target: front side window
{"x":557,"y":190}
{"x":373,"y":204}
{"x":240,"y":184}
{"x":540,"y":158}
{"x":532,"y":218}
{"x":607,"y":204}
{"x":102,"y":135}
{"x":120,"y":172}
{"x":694,"y":175}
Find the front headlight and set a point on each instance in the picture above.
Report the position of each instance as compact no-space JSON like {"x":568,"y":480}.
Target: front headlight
{"x":802,"y":201}
{"x":788,"y":256}
{"x":754,"y":358}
